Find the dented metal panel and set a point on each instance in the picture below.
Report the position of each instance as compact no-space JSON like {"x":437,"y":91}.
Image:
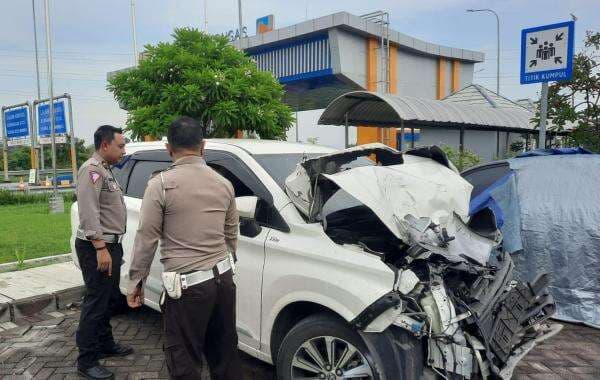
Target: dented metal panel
{"x":420,"y":187}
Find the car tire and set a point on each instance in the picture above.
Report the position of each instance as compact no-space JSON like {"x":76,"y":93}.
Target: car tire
{"x":319,"y":332}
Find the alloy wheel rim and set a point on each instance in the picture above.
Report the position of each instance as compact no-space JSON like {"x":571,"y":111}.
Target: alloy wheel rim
{"x":329,"y":358}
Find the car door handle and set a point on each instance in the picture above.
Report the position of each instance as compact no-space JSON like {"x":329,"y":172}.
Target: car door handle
{"x":274,"y":239}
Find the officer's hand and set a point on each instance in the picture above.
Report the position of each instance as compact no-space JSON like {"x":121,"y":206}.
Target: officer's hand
{"x":135,"y":299}
{"x":104,"y":261}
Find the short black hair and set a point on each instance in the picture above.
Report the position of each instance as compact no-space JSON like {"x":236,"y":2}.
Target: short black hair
{"x":105,"y":133}
{"x":184,"y":133}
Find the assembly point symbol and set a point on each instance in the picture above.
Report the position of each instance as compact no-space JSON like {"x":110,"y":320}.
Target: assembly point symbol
{"x":545,"y":51}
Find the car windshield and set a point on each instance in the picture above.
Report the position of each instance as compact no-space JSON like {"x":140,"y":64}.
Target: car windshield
{"x":280,"y":166}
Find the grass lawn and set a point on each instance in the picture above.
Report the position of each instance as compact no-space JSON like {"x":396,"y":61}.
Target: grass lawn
{"x":31,"y":231}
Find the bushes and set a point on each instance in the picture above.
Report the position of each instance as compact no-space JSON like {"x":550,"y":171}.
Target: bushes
{"x":462,"y":160}
{"x":19,"y":198}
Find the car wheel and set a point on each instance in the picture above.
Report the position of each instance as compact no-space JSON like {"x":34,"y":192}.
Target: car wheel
{"x":324,"y":347}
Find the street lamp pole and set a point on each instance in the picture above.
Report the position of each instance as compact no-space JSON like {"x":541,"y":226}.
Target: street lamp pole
{"x":240,"y":19}
{"x":37,"y":71}
{"x":497,"y":44}
{"x":56,"y":202}
{"x":135,"y":51}
{"x":37,"y":65}
{"x":206,"y":16}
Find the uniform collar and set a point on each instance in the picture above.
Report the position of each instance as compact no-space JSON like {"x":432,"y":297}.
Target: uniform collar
{"x":197,"y":160}
{"x":99,"y":158}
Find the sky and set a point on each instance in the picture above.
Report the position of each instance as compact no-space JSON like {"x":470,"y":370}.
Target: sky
{"x":91,"y":38}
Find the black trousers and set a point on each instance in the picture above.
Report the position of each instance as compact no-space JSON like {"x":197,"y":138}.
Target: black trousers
{"x":102,"y":295}
{"x":202,"y":321}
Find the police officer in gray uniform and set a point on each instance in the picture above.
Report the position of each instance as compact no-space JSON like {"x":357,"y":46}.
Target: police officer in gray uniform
{"x":191,"y":210}
{"x":102,"y":222}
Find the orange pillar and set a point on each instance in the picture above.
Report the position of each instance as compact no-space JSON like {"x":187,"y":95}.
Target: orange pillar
{"x":34,"y":158}
{"x":391,"y":132}
{"x":366,"y":135}
{"x":393,"y":70}
{"x":441,"y":78}
{"x":455,"y":75}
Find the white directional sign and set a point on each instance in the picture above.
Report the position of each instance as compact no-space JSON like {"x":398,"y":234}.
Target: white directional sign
{"x":547,"y":53}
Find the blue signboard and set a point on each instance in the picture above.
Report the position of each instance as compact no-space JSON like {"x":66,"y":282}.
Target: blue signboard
{"x":412,"y":136}
{"x":16,"y":123}
{"x":547,"y":53}
{"x":60,"y":123}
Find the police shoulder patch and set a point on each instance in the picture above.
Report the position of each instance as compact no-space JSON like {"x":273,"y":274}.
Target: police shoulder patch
{"x":94,"y":176}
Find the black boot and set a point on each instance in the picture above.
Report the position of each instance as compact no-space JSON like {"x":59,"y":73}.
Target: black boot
{"x":116,"y":350}
{"x":97,"y":372}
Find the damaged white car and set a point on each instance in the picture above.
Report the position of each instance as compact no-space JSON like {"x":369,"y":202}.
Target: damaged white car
{"x":453,"y":292}
{"x":362,"y":264}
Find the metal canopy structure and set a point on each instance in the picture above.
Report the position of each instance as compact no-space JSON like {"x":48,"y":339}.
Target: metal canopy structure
{"x":384,"y":110}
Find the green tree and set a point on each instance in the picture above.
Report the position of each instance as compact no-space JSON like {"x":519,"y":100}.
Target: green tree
{"x":63,"y":154}
{"x":204,"y":77}
{"x":19,"y":158}
{"x":576,"y":101}
{"x":462,"y":160}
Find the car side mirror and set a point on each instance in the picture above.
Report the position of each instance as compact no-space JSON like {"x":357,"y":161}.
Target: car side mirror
{"x":246,"y":206}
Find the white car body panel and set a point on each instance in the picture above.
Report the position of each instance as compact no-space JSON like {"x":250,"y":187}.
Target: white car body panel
{"x":302,"y":264}
{"x":248,"y":279}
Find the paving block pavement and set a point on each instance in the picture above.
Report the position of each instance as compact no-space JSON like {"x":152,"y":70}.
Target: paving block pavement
{"x":45,"y":348}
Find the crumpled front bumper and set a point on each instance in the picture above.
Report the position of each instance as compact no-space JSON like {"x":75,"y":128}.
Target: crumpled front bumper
{"x":546,"y":331}
{"x":508,"y":316}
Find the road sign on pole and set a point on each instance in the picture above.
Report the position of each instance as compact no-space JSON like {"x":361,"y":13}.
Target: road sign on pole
{"x":44,"y":125}
{"x":44,"y":129}
{"x":16,"y":124}
{"x":547,"y":55}
{"x":16,"y":130}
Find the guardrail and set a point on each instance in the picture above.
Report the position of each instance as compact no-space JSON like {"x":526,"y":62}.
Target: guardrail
{"x":25,"y":173}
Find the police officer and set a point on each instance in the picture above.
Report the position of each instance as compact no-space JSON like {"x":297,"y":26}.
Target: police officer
{"x":102,"y":220}
{"x":191,"y":210}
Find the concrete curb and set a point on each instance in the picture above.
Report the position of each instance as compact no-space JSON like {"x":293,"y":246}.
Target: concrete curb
{"x":5,"y":311}
{"x":27,"y":307}
{"x":66,"y":297}
{"x":14,"y":266}
{"x":51,"y":284}
{"x":12,"y":310}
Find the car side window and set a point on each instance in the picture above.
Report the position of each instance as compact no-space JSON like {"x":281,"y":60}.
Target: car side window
{"x":138,"y":180}
{"x":245,"y":183}
{"x":122,"y":170}
{"x":482,"y":178}
{"x":240,"y":189}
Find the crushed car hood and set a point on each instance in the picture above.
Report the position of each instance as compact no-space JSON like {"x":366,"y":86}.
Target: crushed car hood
{"x":420,"y":187}
{"x":403,"y":185}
